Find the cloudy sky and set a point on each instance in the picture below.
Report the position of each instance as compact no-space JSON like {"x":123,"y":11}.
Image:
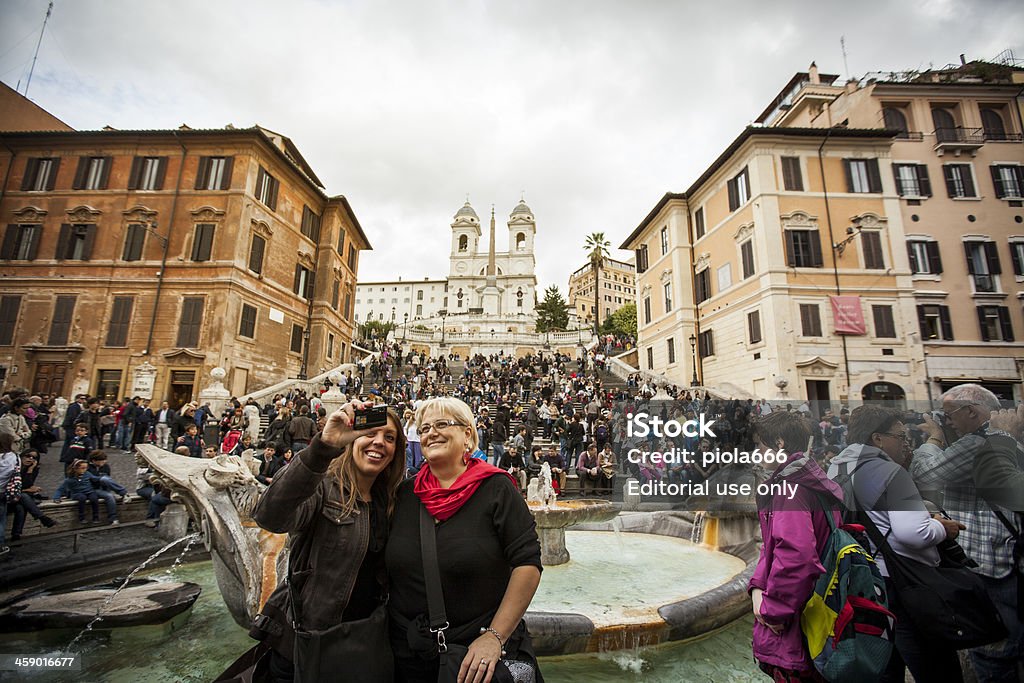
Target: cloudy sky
{"x":592,"y":108}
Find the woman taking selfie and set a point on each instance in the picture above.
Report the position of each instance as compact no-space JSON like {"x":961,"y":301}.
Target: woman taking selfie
{"x":333,"y":499}
{"x":487,"y":554}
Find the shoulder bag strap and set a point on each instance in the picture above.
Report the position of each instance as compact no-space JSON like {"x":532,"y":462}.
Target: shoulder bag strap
{"x":432,"y":577}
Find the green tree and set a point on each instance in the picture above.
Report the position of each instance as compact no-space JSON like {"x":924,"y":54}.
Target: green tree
{"x":552,"y":312}
{"x":377,"y":329}
{"x":622,"y":321}
{"x":597,"y":251}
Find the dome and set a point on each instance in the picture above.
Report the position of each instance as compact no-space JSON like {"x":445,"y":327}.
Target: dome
{"x":522,"y":209}
{"x":467,"y":212}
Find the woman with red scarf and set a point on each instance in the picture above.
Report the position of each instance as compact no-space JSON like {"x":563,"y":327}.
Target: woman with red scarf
{"x":487,"y":552}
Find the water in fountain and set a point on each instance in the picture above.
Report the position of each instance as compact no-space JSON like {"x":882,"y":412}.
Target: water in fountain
{"x":697,"y":531}
{"x":99,"y":612}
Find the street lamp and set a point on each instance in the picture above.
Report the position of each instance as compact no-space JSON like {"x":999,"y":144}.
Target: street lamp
{"x":405,"y":325}
{"x":693,"y":356}
{"x":443,"y":314}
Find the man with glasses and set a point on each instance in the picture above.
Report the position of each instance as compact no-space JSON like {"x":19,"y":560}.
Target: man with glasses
{"x":981,"y":476}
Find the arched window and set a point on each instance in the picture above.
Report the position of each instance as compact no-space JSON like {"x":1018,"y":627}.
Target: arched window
{"x":895,"y":120}
{"x":520,"y":241}
{"x":463,"y":242}
{"x":945,"y":125}
{"x":992,"y":122}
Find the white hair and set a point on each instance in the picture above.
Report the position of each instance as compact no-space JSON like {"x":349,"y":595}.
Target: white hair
{"x":968,"y":394}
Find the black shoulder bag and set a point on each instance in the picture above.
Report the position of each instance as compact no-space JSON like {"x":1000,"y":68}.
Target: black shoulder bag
{"x":359,"y":650}
{"x":949,"y":604}
{"x":450,"y":655}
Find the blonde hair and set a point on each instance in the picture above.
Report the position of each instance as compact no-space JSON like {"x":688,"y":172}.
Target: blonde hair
{"x":343,"y":471}
{"x":453,"y":408}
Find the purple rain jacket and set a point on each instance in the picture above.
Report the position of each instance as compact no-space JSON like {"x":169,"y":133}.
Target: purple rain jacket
{"x":793,"y":532}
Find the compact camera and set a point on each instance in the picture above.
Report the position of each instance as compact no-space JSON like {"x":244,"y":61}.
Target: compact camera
{"x":368,"y":418}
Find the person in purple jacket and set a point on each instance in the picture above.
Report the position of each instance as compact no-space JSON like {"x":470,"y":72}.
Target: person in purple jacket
{"x":794,"y":532}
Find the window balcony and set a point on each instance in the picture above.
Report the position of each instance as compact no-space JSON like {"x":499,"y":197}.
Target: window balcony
{"x":958,"y":140}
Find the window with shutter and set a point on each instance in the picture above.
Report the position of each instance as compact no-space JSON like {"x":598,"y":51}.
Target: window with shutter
{"x":664,"y":241}
{"x":702,"y":285}
{"x":202,"y":242}
{"x":959,"y":180}
{"x":650,"y":357}
{"x":994,"y":323}
{"x":21,"y":242}
{"x":862,"y":175}
{"x":336,"y":292}
{"x":310,"y":226}
{"x":792,"y":177}
{"x":647,"y":310}
{"x":149,"y":173}
{"x":75,"y":242}
{"x":120,"y":319}
{"x":1017,"y":257}
{"x":992,"y":123}
{"x":10,"y":306}
{"x":803,"y":249}
{"x":256,"y":249}
{"x":885,"y":326}
{"x":60,"y":324}
{"x":739,"y":190}
{"x":935,"y":322}
{"x":352,"y":256}
{"x":1008,"y":180}
{"x":40,"y":174}
{"x":671,"y":348}
{"x":810,"y":320}
{"x":214,"y":173}
{"x":754,"y":326}
{"x":706,"y":343}
{"x":341,"y":241}
{"x":266,"y":189}
{"x":912,"y":180}
{"x":296,"y":341}
{"x":247,"y":324}
{"x":134,"y":242}
{"x":747,"y":258}
{"x":871,"y":242}
{"x":93,"y":173}
{"x":698,"y":222}
{"x":191,"y":322}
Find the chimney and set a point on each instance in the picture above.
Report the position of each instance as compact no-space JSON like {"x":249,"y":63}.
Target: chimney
{"x":963,"y":62}
{"x":813,"y":73}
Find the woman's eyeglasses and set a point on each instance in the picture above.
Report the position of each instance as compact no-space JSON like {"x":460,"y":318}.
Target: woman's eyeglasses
{"x":437,"y":425}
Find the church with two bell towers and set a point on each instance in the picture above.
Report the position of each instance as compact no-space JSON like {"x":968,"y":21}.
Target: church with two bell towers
{"x":491,"y":282}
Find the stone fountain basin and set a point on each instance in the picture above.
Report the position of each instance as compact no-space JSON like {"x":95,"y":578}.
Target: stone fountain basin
{"x":683,"y":617}
{"x":142,"y":602}
{"x":569,"y":512}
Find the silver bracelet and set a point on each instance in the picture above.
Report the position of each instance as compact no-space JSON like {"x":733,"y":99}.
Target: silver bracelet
{"x":501,"y":643}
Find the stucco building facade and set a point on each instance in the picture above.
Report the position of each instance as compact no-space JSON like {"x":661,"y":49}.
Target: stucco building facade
{"x":134,"y":262}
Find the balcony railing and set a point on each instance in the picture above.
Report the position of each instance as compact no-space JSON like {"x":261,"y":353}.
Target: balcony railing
{"x":960,"y":134}
{"x":1001,"y":136}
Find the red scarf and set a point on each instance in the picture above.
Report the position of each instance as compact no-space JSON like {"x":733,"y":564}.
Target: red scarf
{"x":442,"y":502}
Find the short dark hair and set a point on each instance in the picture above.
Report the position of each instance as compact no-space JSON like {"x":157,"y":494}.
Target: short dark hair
{"x":871,"y":419}
{"x":97,"y":455}
{"x":791,"y":427}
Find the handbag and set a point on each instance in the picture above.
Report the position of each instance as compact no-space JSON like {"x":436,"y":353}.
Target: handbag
{"x":12,"y":490}
{"x":360,"y":648}
{"x":949,"y":604}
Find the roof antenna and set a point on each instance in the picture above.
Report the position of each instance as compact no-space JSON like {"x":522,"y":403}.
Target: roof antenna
{"x":846,"y":66}
{"x":49,"y":10}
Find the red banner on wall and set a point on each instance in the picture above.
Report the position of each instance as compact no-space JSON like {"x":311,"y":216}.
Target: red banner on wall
{"x":848,"y":315}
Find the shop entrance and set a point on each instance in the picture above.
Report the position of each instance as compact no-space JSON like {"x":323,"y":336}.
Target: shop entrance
{"x":182,"y":385}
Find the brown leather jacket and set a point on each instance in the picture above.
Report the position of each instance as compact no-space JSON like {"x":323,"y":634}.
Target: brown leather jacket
{"x":326,"y":547}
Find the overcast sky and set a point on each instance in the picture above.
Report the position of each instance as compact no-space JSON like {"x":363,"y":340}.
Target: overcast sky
{"x":593,"y":109}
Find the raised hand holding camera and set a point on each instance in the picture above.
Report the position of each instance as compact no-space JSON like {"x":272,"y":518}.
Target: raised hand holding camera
{"x":350,"y":421}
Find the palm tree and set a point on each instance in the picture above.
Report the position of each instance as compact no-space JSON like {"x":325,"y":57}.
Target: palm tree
{"x":597,"y":251}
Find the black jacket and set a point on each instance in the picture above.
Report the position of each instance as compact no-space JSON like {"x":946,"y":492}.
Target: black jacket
{"x":327,"y":548}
